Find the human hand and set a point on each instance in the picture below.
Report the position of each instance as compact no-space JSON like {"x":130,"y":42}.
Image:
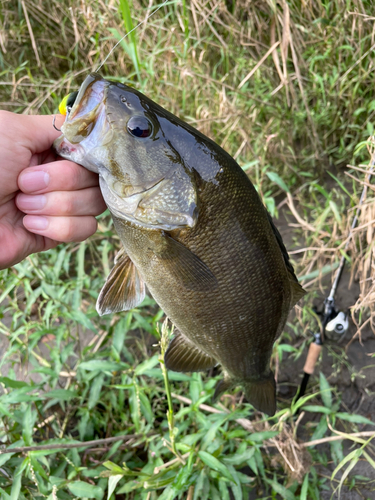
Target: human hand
{"x":59,"y":197}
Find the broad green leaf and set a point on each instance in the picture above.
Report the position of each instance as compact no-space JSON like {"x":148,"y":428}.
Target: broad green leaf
{"x":101,"y":365}
{"x":116,"y":469}
{"x":176,"y":376}
{"x":304,"y":488}
{"x":262,"y":436}
{"x":146,"y":408}
{"x":147,"y":365}
{"x":356,"y":419}
{"x":215,"y":464}
{"x":320,"y":430}
{"x":85,"y":490}
{"x":337,"y":451}
{"x":112,"y":483}
{"x":325,"y":391}
{"x":236,"y":488}
{"x":95,"y":391}
{"x":239,"y":458}
{"x":28,"y":422}
{"x":223,"y":488}
{"x":14,"y":384}
{"x":274,"y":177}
{"x":17,"y":480}
{"x":4,"y":495}
{"x":80,"y":317}
{"x":353,"y":456}
{"x":317,"y":409}
{"x":61,"y":394}
{"x":281,"y":490}
{"x":168,"y":494}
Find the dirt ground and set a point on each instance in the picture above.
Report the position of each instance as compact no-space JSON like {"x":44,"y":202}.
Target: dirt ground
{"x":348,"y":367}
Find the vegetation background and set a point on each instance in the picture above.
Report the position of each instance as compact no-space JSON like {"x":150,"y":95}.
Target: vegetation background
{"x":287,"y":88}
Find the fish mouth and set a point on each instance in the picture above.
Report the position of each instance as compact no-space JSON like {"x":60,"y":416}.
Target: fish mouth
{"x":86,"y":126}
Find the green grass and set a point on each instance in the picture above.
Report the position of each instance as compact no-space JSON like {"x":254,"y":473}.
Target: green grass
{"x":70,"y":376}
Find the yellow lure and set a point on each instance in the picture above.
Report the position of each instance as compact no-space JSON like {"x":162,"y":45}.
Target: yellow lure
{"x":62,"y":105}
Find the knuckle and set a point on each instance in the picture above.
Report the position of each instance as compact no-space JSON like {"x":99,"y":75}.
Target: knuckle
{"x":69,"y":230}
{"x":73,"y":175}
{"x":67,"y":205}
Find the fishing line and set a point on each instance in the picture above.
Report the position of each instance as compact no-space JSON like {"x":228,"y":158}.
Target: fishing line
{"x":131,"y":31}
{"x":333,"y":321}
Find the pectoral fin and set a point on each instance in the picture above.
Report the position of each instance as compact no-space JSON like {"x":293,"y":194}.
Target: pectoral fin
{"x":124,"y":288}
{"x":183,"y":356}
{"x":193,"y":273}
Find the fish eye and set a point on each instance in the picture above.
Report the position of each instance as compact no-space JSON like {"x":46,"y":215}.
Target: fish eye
{"x":71,"y":100}
{"x":139,"y":126}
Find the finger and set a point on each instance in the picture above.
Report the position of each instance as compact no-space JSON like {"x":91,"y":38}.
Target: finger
{"x":61,"y":175}
{"x":60,"y":203}
{"x":61,"y":228}
{"x":38,"y":132}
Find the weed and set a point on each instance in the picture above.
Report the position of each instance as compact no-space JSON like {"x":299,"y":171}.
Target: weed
{"x":285,"y":88}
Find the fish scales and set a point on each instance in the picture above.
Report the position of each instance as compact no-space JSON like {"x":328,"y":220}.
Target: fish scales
{"x":196,"y":232}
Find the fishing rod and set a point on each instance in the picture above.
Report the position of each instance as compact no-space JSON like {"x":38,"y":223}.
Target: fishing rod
{"x":333,"y":323}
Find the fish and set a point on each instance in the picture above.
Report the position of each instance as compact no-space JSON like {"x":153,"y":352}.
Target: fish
{"x":194,"y":231}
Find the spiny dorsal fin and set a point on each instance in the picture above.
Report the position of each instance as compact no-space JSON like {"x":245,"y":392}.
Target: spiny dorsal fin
{"x":297,"y":291}
{"x":183,"y":356}
{"x":193,"y":273}
{"x":124,"y":288}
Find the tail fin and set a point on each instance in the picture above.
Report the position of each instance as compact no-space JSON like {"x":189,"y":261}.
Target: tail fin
{"x":262,"y":394}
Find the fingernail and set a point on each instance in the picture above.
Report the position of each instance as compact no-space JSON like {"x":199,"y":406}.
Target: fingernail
{"x":35,"y":222}
{"x":34,"y":181}
{"x":27,"y":202}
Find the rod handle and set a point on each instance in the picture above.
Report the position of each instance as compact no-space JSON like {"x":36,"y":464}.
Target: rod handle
{"x":312,"y":358}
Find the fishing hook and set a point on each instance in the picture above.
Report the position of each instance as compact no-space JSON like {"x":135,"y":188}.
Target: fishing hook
{"x":53,"y":123}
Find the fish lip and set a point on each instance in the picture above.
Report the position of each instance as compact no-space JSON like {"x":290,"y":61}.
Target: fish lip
{"x":79,"y":152}
{"x":67,"y":150}
{"x":62,"y":146}
{"x":95,"y":95}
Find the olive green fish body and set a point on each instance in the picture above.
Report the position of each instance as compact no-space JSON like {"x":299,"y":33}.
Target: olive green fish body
{"x":194,"y":230}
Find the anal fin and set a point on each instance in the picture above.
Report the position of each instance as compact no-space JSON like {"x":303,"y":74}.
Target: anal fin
{"x":124,"y":288}
{"x":183,"y":356}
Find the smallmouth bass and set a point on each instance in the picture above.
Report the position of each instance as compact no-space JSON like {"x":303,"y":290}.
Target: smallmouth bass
{"x":193,"y":229}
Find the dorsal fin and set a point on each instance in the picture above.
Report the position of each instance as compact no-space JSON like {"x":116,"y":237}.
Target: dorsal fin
{"x":124,"y":288}
{"x":297,"y":291}
{"x":183,"y":356}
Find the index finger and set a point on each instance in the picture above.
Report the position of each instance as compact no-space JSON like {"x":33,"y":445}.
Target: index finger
{"x":38,"y":133}
{"x":60,"y":175}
